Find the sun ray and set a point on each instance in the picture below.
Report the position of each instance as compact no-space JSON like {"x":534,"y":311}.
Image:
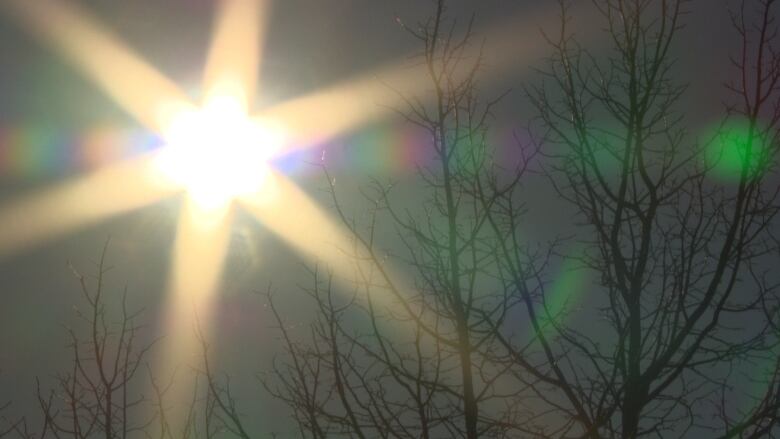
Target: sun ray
{"x":135,"y":85}
{"x":202,"y":240}
{"x":327,"y":113}
{"x":110,"y":191}
{"x":232,"y":64}
{"x":324,"y":114}
{"x":290,"y":214}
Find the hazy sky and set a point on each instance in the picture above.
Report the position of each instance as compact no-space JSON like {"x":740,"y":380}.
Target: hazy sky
{"x":309,"y":44}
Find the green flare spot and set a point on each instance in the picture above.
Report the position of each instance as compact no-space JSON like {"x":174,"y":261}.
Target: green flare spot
{"x":735,"y":148}
{"x":562,"y":295}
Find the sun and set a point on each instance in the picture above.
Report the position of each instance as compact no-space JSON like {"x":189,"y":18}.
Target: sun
{"x":217,"y":153}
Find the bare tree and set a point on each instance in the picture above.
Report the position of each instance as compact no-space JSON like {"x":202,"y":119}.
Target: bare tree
{"x":96,"y":396}
{"x":12,"y":427}
{"x":387,"y":358}
{"x":222,"y":414}
{"x":678,"y":240}
{"x":680,"y":255}
{"x":201,"y":419}
{"x":102,"y":393}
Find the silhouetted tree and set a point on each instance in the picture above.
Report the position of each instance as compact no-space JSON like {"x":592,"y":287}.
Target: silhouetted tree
{"x":681,"y":254}
{"x":675,"y":230}
{"x":11,"y":427}
{"x":102,"y":392}
{"x":403,"y":359}
{"x":95,"y":397}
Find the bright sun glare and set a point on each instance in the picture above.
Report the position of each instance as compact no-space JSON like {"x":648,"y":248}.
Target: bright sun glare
{"x":217,"y":152}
